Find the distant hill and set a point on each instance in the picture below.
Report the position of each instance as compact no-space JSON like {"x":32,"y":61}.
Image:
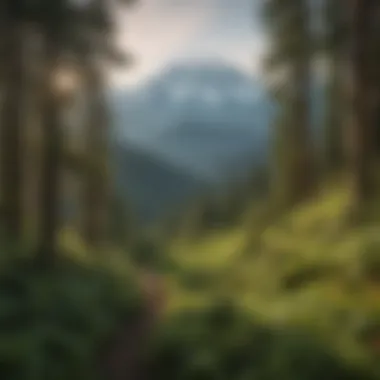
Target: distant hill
{"x":203,"y":116}
{"x":153,"y":185}
{"x":194,"y":125}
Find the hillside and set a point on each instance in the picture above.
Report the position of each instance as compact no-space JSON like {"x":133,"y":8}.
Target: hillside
{"x":305,"y":269}
{"x":210,"y":109}
{"x":151,"y":185}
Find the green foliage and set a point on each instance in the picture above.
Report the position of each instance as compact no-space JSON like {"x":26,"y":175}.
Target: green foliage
{"x":197,"y":280}
{"x":53,"y":324}
{"x":306,"y":268}
{"x":369,"y":262}
{"x":147,"y":253}
{"x":122,"y":227}
{"x":223,"y":342}
{"x":304,"y":275}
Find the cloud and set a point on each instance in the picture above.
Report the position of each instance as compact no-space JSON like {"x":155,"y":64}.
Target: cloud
{"x":156,"y":31}
{"x":160,"y":32}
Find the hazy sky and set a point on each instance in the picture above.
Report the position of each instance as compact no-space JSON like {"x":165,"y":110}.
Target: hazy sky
{"x":161,"y":32}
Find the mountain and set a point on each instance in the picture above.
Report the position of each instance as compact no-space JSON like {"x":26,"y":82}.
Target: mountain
{"x":193,"y":127}
{"x":210,"y":118}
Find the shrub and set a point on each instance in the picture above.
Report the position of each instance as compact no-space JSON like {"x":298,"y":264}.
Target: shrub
{"x":223,"y":343}
{"x":53,"y":323}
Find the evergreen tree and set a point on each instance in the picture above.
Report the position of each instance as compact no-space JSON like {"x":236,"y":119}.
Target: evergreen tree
{"x":376,"y":82}
{"x":336,"y":36}
{"x":96,"y":182}
{"x":54,"y":21}
{"x":99,"y":49}
{"x":290,"y":59}
{"x":79,"y":33}
{"x":362,"y":132}
{"x":13,"y":20}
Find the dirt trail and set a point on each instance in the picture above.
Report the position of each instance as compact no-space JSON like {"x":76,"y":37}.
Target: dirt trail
{"x":125,"y":355}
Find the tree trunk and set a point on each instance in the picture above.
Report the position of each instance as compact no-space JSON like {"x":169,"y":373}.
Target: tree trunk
{"x":294,"y":172}
{"x":51,"y":148}
{"x":334,"y":120}
{"x":375,"y":70}
{"x":336,"y":102}
{"x":302,"y":165}
{"x":303,"y":170}
{"x":11,"y":125}
{"x":362,"y":149}
{"x":32,"y":137}
{"x":335,"y":41}
{"x":96,"y":191}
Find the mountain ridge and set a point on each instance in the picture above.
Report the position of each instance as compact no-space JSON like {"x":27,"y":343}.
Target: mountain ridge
{"x":203,"y":140}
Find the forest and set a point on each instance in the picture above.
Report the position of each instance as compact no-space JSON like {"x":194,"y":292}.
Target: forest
{"x":273,"y":277}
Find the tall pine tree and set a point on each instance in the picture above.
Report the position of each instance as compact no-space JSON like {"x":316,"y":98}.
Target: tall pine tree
{"x":290,"y":58}
{"x":362,"y":147}
{"x":335,"y":50}
{"x":14,"y":17}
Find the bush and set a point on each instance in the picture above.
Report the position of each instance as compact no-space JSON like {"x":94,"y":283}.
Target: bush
{"x":223,"y":343}
{"x":370,"y":262}
{"x":197,"y":280}
{"x":53,"y":323}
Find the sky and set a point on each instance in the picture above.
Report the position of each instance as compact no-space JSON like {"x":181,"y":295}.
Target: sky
{"x":160,"y":33}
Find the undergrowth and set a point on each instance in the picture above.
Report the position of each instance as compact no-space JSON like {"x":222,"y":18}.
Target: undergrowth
{"x":301,"y":302}
{"x":54,"y":323}
{"x":305,"y":269}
